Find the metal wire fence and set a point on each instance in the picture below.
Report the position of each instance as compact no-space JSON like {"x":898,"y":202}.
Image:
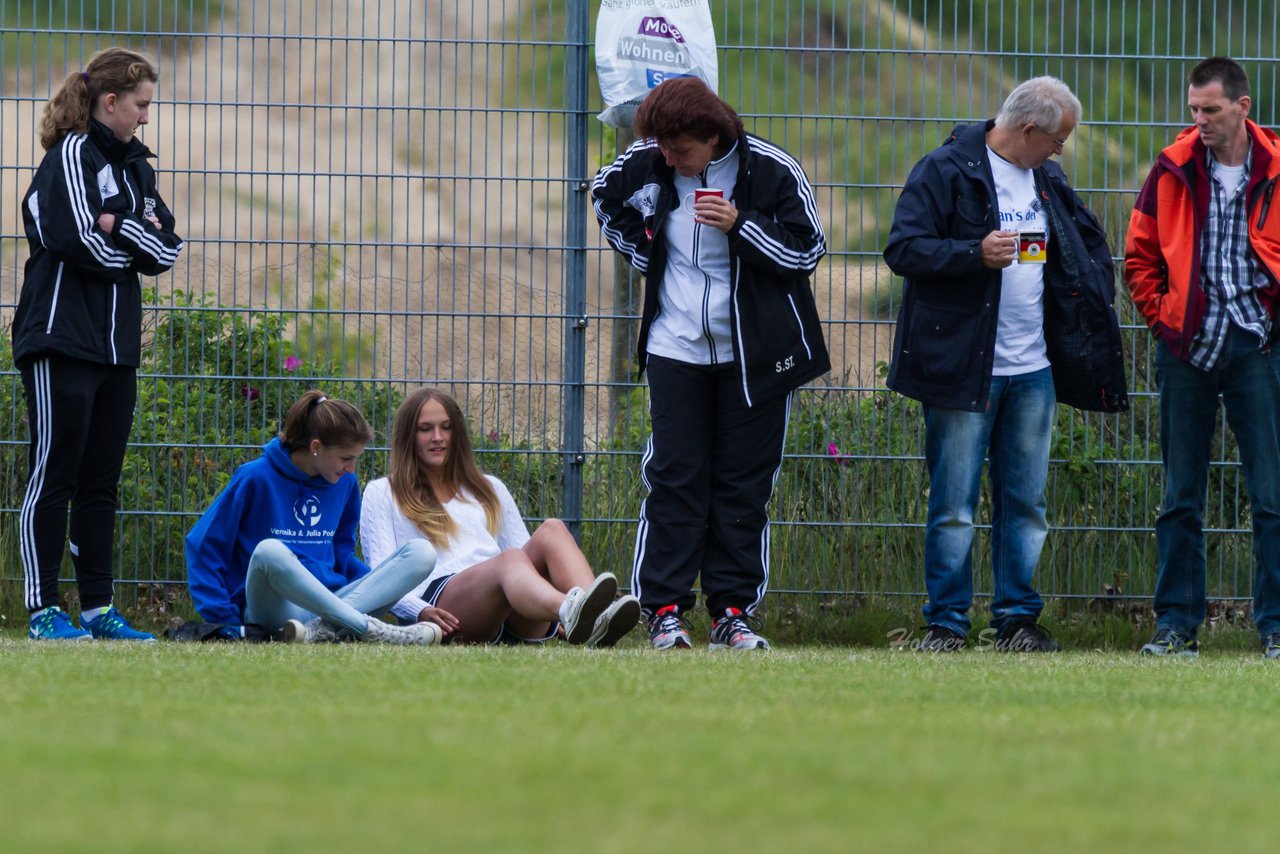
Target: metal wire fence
{"x":381,"y":195}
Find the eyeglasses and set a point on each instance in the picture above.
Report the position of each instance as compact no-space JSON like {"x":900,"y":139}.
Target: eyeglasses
{"x":1061,"y":143}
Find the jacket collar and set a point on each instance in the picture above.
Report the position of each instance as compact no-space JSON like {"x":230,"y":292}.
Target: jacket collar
{"x":1187,"y":147}
{"x":112,"y":148}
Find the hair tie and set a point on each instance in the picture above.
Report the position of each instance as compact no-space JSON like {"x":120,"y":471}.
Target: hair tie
{"x":84,"y":75}
{"x":322,"y":399}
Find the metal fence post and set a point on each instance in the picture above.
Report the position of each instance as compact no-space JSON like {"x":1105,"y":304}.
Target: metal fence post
{"x":577,"y":58}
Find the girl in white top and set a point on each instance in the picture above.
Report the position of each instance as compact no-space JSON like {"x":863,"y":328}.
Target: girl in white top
{"x":492,"y":581}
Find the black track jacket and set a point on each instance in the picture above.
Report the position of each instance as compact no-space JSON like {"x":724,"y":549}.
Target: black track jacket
{"x":80,"y":292}
{"x":773,"y":247}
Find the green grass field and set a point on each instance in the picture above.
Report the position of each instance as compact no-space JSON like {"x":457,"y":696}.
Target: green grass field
{"x":352,"y":747}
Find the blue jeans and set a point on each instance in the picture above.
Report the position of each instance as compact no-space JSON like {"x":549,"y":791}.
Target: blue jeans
{"x":1246,"y":379}
{"x":1014,"y":430}
{"x":279,"y":588}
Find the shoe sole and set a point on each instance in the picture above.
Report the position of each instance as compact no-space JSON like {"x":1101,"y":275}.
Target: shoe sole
{"x":761,"y":645}
{"x":1161,"y":651}
{"x":625,"y":617}
{"x":599,"y":596}
{"x":72,"y":638}
{"x":293,"y":631}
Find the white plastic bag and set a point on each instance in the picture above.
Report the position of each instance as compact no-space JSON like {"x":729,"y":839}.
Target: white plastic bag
{"x":640,"y":43}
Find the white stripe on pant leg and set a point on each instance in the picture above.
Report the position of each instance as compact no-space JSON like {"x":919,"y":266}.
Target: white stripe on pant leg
{"x":764,"y":543}
{"x":642,"y":531}
{"x":42,"y":420}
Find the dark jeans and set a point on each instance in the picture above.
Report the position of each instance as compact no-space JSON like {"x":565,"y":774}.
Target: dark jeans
{"x":1245,"y":378}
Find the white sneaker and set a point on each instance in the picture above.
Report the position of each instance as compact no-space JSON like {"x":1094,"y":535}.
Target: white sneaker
{"x":315,"y":631}
{"x":420,"y":634}
{"x":618,"y":619}
{"x":582,"y":608}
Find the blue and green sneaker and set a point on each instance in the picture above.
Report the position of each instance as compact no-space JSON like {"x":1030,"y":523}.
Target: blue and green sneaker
{"x":111,"y":625}
{"x":53,"y":623}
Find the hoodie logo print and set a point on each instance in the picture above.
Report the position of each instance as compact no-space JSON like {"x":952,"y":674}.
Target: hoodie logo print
{"x":307,"y":511}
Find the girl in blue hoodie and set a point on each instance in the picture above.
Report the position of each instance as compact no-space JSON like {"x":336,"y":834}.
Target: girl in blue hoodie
{"x":277,"y":547}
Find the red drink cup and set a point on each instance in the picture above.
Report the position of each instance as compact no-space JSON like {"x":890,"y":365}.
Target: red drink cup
{"x":703,"y":192}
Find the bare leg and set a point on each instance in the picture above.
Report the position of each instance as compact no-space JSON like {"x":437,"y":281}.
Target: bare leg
{"x":554,"y":553}
{"x":504,"y":589}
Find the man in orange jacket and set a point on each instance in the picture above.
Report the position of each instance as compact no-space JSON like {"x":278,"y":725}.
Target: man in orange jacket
{"x":1201,"y":260}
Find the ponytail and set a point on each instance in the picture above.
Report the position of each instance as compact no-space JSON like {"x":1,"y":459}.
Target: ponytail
{"x":111,"y":71}
{"x":335,"y":423}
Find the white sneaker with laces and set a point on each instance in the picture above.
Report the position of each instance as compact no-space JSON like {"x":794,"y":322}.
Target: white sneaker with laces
{"x":419,"y":634}
{"x":581,"y":608}
{"x":618,"y":619}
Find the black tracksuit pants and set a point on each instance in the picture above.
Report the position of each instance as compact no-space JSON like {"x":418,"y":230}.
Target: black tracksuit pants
{"x":710,"y":466}
{"x":79,"y":414}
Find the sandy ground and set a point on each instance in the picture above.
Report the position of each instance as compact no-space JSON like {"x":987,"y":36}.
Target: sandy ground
{"x":307,"y":175}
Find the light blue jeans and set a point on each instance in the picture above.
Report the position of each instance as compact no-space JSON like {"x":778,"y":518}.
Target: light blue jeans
{"x":279,"y":588}
{"x":1014,"y":431}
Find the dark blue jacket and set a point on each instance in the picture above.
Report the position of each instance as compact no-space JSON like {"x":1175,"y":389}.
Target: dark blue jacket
{"x":946,"y":332}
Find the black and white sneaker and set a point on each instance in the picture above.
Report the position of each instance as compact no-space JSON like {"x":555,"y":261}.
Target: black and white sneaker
{"x":732,"y":632}
{"x":666,"y":629}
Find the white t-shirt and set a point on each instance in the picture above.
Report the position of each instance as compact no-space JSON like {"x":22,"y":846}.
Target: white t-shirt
{"x":1020,"y":347}
{"x":384,"y":529}
{"x":1229,"y":177}
{"x":693,"y":305}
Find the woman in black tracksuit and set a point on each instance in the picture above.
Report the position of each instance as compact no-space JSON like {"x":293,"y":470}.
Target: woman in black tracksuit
{"x":729,"y":329}
{"x":94,"y":221}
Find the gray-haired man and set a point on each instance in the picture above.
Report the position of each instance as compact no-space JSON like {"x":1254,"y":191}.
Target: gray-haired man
{"x":1007,"y":308}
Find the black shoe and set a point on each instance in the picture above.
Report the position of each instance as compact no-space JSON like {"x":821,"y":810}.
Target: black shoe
{"x":1025,"y":636}
{"x":941,"y":639}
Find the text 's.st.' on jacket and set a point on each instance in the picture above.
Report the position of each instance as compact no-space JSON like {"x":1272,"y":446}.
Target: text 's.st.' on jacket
{"x":775,"y":244}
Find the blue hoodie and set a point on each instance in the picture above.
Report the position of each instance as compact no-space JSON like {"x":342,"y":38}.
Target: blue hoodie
{"x":271,"y":497}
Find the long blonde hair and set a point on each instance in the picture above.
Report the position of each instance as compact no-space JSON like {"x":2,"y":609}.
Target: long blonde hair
{"x":409,"y":483}
{"x":114,"y":70}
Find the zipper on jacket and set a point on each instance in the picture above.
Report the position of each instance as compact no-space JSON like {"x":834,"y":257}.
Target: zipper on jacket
{"x":1266,"y":203}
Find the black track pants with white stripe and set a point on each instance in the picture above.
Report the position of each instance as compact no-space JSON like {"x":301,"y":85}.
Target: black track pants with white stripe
{"x":79,"y":414}
{"x":710,"y":468}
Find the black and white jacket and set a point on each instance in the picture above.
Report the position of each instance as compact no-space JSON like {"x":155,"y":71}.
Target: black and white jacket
{"x":774,"y":246}
{"x":80,"y":292}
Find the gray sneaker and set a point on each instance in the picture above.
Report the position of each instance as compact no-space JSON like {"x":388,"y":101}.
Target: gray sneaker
{"x":1271,"y":646}
{"x":418,"y":634}
{"x":618,"y":619}
{"x":314,"y":631}
{"x":1172,"y":642}
{"x":582,"y":608}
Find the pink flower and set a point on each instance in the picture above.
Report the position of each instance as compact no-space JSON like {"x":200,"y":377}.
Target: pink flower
{"x":249,"y":392}
{"x":292,"y":363}
{"x":833,"y":450}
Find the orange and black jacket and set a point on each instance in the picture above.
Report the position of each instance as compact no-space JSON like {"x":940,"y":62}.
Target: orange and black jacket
{"x":1162,"y":250}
